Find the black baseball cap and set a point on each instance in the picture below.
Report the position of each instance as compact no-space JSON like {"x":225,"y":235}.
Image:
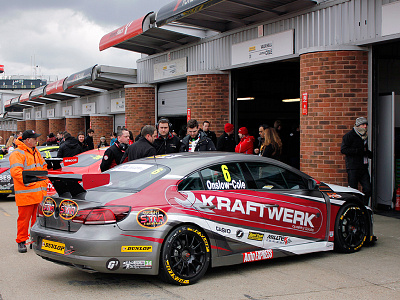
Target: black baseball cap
{"x":29,"y":134}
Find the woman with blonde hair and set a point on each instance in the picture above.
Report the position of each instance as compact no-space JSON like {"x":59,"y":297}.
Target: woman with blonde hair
{"x":272,"y":146}
{"x":10,"y":142}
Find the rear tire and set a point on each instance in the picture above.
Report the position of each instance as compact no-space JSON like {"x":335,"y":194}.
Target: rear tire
{"x":185,"y":255}
{"x":351,"y":228}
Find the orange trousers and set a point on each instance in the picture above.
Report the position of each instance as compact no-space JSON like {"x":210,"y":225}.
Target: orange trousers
{"x":26,"y":214}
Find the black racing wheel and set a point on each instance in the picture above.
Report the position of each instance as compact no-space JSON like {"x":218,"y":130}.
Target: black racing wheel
{"x":351,"y":228}
{"x":185,"y":255}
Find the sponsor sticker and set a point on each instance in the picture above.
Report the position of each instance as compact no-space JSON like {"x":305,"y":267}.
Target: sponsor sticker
{"x":48,"y":207}
{"x":68,"y":209}
{"x":255,"y":236}
{"x":112,"y":264}
{"x":134,"y":168}
{"x":53,"y":246}
{"x":136,"y":249}
{"x":137,"y":264}
{"x":258,"y":255}
{"x":239,"y":233}
{"x":152,"y":218}
{"x":278,"y":239}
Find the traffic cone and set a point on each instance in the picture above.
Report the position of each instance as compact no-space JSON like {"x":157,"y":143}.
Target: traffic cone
{"x":397,"y":206}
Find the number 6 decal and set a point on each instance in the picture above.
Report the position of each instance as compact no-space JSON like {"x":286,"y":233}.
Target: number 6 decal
{"x":226,"y":173}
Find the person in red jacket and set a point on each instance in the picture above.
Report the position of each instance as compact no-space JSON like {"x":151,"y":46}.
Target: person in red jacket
{"x":246,"y":142}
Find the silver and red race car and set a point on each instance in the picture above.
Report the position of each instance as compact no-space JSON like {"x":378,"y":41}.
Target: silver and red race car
{"x":177,"y":215}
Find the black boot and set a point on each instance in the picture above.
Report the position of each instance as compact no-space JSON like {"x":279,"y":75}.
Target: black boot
{"x":22,"y":247}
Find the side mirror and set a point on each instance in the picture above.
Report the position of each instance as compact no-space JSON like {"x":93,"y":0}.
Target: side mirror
{"x":312,"y":184}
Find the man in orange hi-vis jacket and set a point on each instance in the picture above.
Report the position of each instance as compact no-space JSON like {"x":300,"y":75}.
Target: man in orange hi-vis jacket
{"x":27,"y":196}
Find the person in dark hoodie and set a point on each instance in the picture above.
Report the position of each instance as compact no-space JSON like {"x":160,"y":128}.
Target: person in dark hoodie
{"x":70,"y":147}
{"x":195,"y":140}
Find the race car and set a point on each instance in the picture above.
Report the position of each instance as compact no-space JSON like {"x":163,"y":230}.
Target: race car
{"x":177,"y":215}
{"x":6,"y":182}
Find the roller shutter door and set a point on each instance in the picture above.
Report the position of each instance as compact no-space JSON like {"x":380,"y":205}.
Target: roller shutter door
{"x":172,"y":99}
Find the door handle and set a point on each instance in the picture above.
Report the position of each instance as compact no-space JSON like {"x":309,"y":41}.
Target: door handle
{"x":271,"y":205}
{"x":208,"y":207}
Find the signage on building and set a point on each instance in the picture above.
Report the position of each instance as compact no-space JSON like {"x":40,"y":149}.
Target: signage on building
{"x":21,"y":84}
{"x":267,"y":47}
{"x":304,"y":103}
{"x":67,"y":111}
{"x":80,"y":78}
{"x":27,"y":116}
{"x":51,"y":113}
{"x":38,"y":114}
{"x":118,"y":105}
{"x":189,"y":114}
{"x":89,"y":108}
{"x":173,"y":68}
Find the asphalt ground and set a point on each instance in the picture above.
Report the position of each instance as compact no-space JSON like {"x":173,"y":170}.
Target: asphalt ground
{"x":371,"y":273}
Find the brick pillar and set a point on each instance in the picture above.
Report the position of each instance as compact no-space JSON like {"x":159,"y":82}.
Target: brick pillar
{"x":56,"y":125}
{"x":337,"y":87}
{"x":74,"y":125}
{"x":208,"y":99}
{"x":30,"y":125}
{"x":42,"y":127}
{"x":139,"y":106}
{"x":102,"y":126}
{"x":21,"y":126}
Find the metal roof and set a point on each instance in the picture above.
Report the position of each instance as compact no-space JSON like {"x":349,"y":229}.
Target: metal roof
{"x":224,"y":15}
{"x":93,"y":80}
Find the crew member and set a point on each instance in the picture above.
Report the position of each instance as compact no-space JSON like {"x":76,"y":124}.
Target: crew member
{"x":143,"y":147}
{"x":27,"y":196}
{"x":246,"y":142}
{"x":113,"y":155}
{"x":196,"y":140}
{"x":166,"y":142}
{"x":226,"y":142}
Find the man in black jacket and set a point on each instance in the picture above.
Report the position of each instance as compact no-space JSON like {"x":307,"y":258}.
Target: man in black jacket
{"x":166,"y":142}
{"x":89,"y":139}
{"x":210,"y":134}
{"x":195,"y":140}
{"x":113,"y":155}
{"x":143,"y":147}
{"x":226,"y":142}
{"x":70,"y":147}
{"x":355,"y":147}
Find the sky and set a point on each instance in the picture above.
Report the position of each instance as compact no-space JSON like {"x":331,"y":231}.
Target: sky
{"x":62,"y":37}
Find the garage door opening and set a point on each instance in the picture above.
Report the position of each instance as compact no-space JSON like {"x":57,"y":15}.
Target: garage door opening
{"x":265,"y":93}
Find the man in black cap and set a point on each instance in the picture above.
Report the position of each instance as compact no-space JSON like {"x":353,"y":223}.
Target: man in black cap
{"x":355,"y":148}
{"x":27,"y":197}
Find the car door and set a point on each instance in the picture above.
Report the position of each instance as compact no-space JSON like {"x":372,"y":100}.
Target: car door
{"x":233,"y":212}
{"x":294,"y":215}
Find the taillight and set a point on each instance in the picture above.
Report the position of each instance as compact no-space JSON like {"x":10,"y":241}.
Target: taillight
{"x":3,"y":170}
{"x":101,"y":215}
{"x":39,"y":212}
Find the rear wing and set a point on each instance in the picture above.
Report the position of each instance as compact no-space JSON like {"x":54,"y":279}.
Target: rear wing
{"x":68,"y":185}
{"x":53,"y":163}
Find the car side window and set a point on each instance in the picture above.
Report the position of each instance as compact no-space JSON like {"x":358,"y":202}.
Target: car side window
{"x":223,"y":177}
{"x":270,"y":177}
{"x":191,"y":183}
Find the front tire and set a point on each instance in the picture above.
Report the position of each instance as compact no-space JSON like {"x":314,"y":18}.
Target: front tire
{"x":351,"y":228}
{"x":185,"y":255}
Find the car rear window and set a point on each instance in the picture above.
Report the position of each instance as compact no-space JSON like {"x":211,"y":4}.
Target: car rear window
{"x":135,"y":176}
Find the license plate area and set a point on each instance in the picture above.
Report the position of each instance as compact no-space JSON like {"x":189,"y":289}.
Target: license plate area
{"x":53,"y":246}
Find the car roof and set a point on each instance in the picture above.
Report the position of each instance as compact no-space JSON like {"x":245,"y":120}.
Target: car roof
{"x":184,"y":163}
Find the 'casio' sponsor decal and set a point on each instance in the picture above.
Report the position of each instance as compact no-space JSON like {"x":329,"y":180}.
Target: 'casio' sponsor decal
{"x":48,"y":207}
{"x":136,"y":249}
{"x":255,"y":236}
{"x":137,"y":264}
{"x":68,"y":209}
{"x":152,"y":218}
{"x":279,"y":239}
{"x":257,"y":255}
{"x":222,"y":229}
{"x":112,"y":264}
